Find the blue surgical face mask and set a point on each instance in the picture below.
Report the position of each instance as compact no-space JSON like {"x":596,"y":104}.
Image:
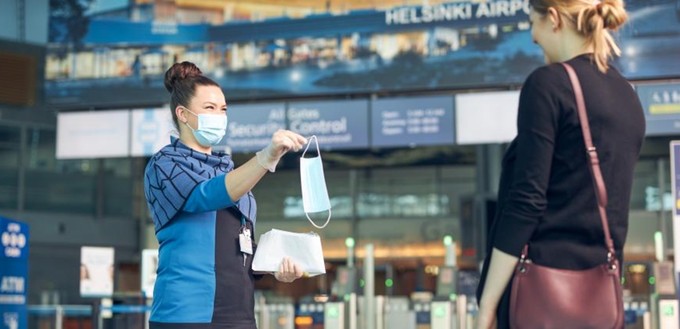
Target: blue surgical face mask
{"x":314,"y":192}
{"x":211,"y":128}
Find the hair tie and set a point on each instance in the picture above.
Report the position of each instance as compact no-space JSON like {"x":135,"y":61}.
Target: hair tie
{"x":598,"y":7}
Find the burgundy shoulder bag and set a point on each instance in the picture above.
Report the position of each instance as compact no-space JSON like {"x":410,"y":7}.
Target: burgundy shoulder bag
{"x":544,"y":297}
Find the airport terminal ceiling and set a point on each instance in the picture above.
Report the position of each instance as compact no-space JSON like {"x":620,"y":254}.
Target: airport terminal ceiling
{"x":316,"y":5}
{"x":275,"y":50}
{"x":261,"y":9}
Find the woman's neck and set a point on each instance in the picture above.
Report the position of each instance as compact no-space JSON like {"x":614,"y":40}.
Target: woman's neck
{"x":191,"y":142}
{"x":573,"y":45}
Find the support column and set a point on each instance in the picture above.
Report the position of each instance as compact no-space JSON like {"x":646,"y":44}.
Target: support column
{"x":21,"y":169}
{"x":489,"y":158}
{"x":369,"y":288}
{"x":665,"y":225}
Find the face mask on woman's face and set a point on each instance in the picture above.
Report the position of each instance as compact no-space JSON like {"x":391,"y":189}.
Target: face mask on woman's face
{"x":211,"y":128}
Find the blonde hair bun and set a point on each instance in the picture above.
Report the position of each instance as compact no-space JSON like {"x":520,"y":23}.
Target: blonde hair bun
{"x":613,"y":14}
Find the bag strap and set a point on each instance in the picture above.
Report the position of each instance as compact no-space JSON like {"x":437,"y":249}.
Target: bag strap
{"x":598,"y":181}
{"x":594,"y":164}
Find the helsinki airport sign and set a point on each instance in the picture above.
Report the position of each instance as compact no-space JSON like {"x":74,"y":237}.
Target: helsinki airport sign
{"x":456,"y":11}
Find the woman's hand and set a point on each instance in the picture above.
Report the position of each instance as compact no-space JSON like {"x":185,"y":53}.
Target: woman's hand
{"x":288,"y":271}
{"x":286,"y":140}
{"x":282,"y":142}
{"x":501,"y":267}
{"x":486,"y":318}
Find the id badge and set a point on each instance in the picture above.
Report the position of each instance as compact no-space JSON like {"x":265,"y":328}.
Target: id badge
{"x":245,"y":243}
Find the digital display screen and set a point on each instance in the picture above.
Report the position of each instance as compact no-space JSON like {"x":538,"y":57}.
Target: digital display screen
{"x":102,"y":134}
{"x":661,"y":103}
{"x":486,"y":118}
{"x":415,"y":121}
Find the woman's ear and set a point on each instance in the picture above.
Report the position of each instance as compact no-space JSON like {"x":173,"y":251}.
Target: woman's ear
{"x":181,"y":114}
{"x":555,"y":19}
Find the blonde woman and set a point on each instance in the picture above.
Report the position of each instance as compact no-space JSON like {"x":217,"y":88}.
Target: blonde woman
{"x":546,"y":197}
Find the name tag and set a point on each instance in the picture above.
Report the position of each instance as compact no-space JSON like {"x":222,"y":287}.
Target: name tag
{"x":245,"y":243}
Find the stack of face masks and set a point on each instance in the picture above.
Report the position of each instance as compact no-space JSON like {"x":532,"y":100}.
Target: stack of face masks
{"x":303,"y":248}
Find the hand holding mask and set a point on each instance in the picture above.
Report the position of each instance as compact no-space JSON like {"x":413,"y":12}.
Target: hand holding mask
{"x":282,"y":142}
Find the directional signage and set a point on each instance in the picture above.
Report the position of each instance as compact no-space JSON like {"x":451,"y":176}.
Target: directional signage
{"x":337,"y":124}
{"x":413,"y":121}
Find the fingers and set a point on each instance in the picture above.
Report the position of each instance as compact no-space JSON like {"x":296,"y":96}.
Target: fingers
{"x":292,"y":268}
{"x":288,"y":271}
{"x":286,"y":140}
{"x":296,"y":138}
{"x":283,"y":274}
{"x":286,"y":265}
{"x":297,"y":270}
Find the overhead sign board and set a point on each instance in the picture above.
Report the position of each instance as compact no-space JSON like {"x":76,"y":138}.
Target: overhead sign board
{"x":413,"y":121}
{"x":337,"y":124}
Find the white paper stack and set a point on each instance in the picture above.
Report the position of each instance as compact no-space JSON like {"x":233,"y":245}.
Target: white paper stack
{"x":302,"y":248}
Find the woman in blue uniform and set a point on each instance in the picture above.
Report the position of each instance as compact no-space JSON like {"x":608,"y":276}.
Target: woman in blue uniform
{"x":204,"y":213}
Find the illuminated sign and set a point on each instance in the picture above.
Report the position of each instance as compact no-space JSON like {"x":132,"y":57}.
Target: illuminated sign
{"x":486,"y":118}
{"x":251,"y":126}
{"x":455,"y":11}
{"x":661,"y":103}
{"x":13,"y":273}
{"x":151,"y":130}
{"x":337,"y":124}
{"x":96,"y":271}
{"x":87,"y":135}
{"x":412,"y":121}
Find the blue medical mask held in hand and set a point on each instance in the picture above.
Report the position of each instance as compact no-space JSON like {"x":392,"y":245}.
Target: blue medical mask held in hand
{"x":211,"y":128}
{"x":314,"y":193}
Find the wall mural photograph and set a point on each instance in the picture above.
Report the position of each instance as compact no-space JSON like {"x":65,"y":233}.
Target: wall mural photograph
{"x":101,"y":50}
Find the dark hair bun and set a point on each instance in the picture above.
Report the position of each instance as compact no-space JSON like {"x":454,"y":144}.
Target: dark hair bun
{"x":179,"y":72}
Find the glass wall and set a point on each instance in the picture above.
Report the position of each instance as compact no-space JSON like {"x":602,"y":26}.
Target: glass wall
{"x":10,"y":141}
{"x":428,"y":191}
{"x":429,"y":188}
{"x":412,"y":192}
{"x":101,"y":188}
{"x":651,"y":187}
{"x":118,"y":181}
{"x":652,"y":180}
{"x":60,"y":186}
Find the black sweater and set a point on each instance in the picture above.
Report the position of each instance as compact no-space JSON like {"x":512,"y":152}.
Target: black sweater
{"x":546,"y":196}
